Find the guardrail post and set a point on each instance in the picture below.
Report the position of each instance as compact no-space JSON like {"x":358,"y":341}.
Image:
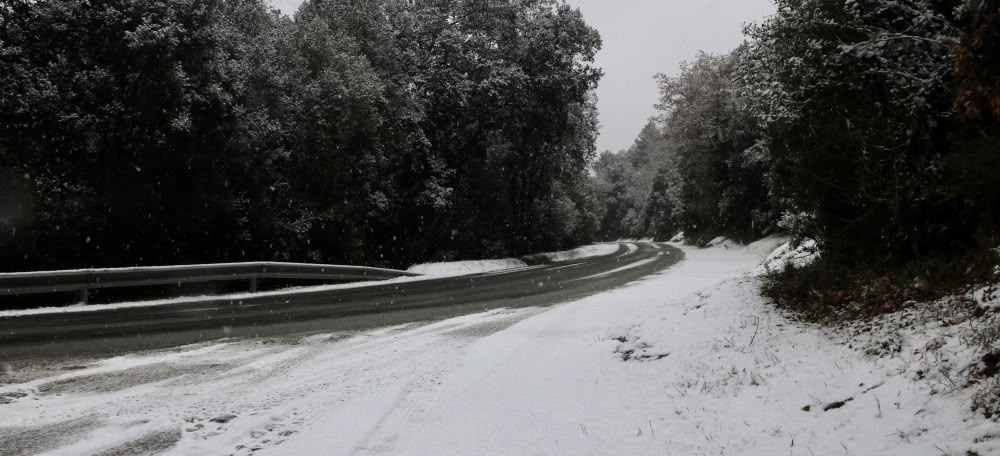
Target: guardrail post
{"x":84,"y":295}
{"x":253,"y":285}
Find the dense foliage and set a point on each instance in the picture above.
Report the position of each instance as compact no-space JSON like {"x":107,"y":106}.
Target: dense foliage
{"x":624,"y":183}
{"x":388,"y":132}
{"x":855,"y":102}
{"x":882,"y":137}
{"x":706,"y":174}
{"x":868,"y":125}
{"x":380,"y":132}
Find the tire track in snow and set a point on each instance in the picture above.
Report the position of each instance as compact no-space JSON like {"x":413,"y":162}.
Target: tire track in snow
{"x":249,"y":396}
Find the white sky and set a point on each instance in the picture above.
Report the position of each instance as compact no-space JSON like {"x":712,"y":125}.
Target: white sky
{"x":645,"y":37}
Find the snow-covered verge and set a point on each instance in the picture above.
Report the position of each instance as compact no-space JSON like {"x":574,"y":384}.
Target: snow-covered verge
{"x":586,"y":251}
{"x":723,"y":242}
{"x":785,"y":254}
{"x":745,"y":379}
{"x":689,"y":361}
{"x":714,"y":372}
{"x":454,"y":268}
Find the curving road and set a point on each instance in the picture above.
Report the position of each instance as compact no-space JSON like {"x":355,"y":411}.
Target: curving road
{"x":115,"y":331}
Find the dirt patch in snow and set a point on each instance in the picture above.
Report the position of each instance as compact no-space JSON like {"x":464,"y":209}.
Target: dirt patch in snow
{"x":631,"y":348}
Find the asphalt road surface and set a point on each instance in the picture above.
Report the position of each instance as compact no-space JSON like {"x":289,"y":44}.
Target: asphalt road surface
{"x":117,"y":331}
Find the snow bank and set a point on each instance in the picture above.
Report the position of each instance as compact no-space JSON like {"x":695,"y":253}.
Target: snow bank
{"x":760,"y":248}
{"x":766,"y":246}
{"x":454,"y":268}
{"x":745,"y":380}
{"x":716,"y":241}
{"x":586,"y":251}
{"x":723,"y":242}
{"x":805,"y":253}
{"x":692,"y":362}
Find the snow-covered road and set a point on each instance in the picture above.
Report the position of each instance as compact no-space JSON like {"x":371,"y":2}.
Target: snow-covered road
{"x":688,"y":361}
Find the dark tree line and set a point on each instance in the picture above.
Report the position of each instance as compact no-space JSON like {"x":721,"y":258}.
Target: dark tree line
{"x":380,"y":132}
{"x":625,"y":182}
{"x":698,"y":169}
{"x":868,"y":125}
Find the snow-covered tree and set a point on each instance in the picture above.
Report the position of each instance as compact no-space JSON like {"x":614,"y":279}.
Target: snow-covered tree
{"x":717,"y":183}
{"x":378,"y":132}
{"x":854,"y":99}
{"x":626,"y":181}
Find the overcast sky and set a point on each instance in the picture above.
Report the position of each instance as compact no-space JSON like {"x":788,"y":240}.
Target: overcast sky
{"x":645,"y":37}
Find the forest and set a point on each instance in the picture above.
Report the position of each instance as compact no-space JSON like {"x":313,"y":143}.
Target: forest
{"x":868,"y":126}
{"x":391,"y":132}
{"x":373,"y":132}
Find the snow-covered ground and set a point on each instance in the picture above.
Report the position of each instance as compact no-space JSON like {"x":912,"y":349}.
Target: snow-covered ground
{"x":454,"y":268}
{"x":784,"y":254}
{"x":586,"y":251}
{"x":688,"y":361}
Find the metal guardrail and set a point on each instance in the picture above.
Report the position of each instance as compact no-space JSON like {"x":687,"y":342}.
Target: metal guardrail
{"x":83,"y":280}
